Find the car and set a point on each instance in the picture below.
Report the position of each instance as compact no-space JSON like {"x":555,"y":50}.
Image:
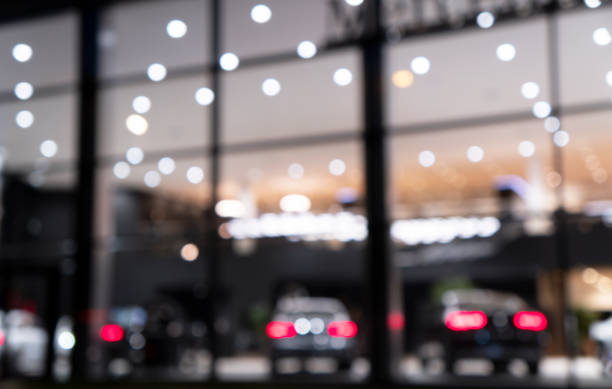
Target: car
{"x":304,"y":327}
{"x":484,"y":324}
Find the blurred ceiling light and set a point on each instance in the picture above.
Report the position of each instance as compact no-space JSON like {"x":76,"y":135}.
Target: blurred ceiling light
{"x":156,"y":72}
{"x":176,"y":28}
{"x":195,"y":174}
{"x":271,"y":87}
{"x":23,"y":90}
{"x":137,"y":124}
{"x":530,"y":90}
{"x":22,"y":52}
{"x":295,"y":203}
{"x":204,"y":96}
{"x":475,"y":153}
{"x":141,"y":104}
{"x":343,"y":76}
{"x":152,"y":179}
{"x":601,"y":36}
{"x":230,"y":208}
{"x":24,"y":119}
{"x":420,"y":65}
{"x":590,"y":276}
{"x":402,"y":78}
{"x":295,"y":171}
{"x":427,"y":158}
{"x":261,"y":13}
{"x":307,"y":49}
{"x":134,"y":155}
{"x":485,"y":19}
{"x":592,"y":3}
{"x":561,"y":138}
{"x":166,"y":165}
{"x":337,"y":167}
{"x":353,"y":3}
{"x":506,"y":52}
{"x":552,"y":124}
{"x":541,"y":109}
{"x":190,"y":252}
{"x":121,"y":170}
{"x":526,"y":148}
{"x":229,"y":61}
{"x":48,"y":148}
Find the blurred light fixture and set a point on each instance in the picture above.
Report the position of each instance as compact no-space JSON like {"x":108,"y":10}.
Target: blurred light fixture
{"x":271,"y":87}
{"x":552,"y":124}
{"x":427,"y":158}
{"x":402,"y":78}
{"x":353,"y":3}
{"x":592,"y":3}
{"x":526,"y":148}
{"x":420,"y":65}
{"x":204,"y":96}
{"x":541,"y":109}
{"x":156,"y":72}
{"x":485,"y":19}
{"x":166,"y":165}
{"x":307,"y":49}
{"x":190,"y":252}
{"x":590,"y":276}
{"x":137,"y":124}
{"x":111,"y":333}
{"x":530,"y":90}
{"x":337,"y":167}
{"x":22,"y":52}
{"x":24,"y":119}
{"x":66,"y":340}
{"x":121,"y":170}
{"x":48,"y":148}
{"x":506,"y":52}
{"x":561,"y":138}
{"x":141,"y":104}
{"x":229,"y":61}
{"x":195,"y":174}
{"x":302,"y":326}
{"x":601,"y":36}
{"x":475,"y":153}
{"x":23,"y":90}
{"x":343,"y":76}
{"x":134,"y":155}
{"x":295,"y":171}
{"x":609,"y":78}
{"x":152,"y":179}
{"x":261,"y":13}
{"x":295,"y":203}
{"x":230,"y":208}
{"x":176,"y":28}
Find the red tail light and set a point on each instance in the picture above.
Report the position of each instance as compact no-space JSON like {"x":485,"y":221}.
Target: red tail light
{"x":342,"y":329}
{"x":2,"y":338}
{"x":111,"y":333}
{"x":280,"y":329}
{"x":531,"y":321}
{"x":466,"y":320}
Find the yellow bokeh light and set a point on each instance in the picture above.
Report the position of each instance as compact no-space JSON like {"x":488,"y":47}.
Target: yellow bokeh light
{"x":403,"y":78}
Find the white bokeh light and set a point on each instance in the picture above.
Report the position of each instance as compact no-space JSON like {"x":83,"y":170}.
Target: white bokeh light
{"x":166,"y":165}
{"x":552,"y":124}
{"x":261,"y":13}
{"x":420,"y":65}
{"x":22,"y":52}
{"x":295,"y":171}
{"x":23,"y":90}
{"x":176,"y":28}
{"x":152,"y":179}
{"x":24,"y":119}
{"x":295,"y":203}
{"x":427,"y":158}
{"x":561,"y":138}
{"x":302,"y":326}
{"x":66,"y":340}
{"x":609,"y":78}
{"x":134,"y":155}
{"x":526,"y":148}
{"x":230,"y":208}
{"x":190,"y":252}
{"x":121,"y":170}
{"x":601,"y":36}
{"x":485,"y":19}
{"x":195,"y":174}
{"x":137,"y":124}
{"x":506,"y":52}
{"x":541,"y":109}
{"x":141,"y":104}
{"x":530,"y":90}
{"x":156,"y":72}
{"x":592,"y":3}
{"x":271,"y":87}
{"x":343,"y":77}
{"x":229,"y":61}
{"x":337,"y":167}
{"x":475,"y":153}
{"x":353,"y":3}
{"x":48,"y":148}
{"x":307,"y":49}
{"x":204,"y":96}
